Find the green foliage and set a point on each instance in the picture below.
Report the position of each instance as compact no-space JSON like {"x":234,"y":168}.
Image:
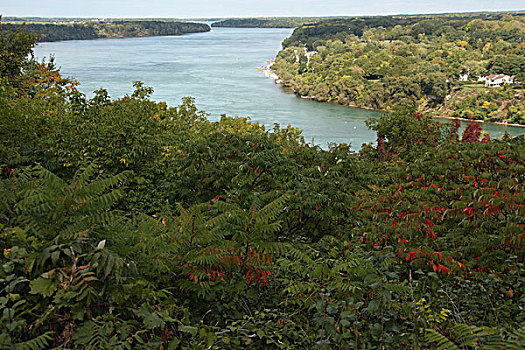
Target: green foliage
{"x":462,"y":336}
{"x":512,"y":64}
{"x":493,"y":105}
{"x":101,"y":29}
{"x":15,"y":46}
{"x":403,"y":131}
{"x":381,"y":62}
{"x":130,"y":224}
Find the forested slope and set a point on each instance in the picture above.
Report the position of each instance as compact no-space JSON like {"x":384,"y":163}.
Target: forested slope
{"x":379,"y":62}
{"x":113,"y":29}
{"x":129,"y":224}
{"x":272,"y":22}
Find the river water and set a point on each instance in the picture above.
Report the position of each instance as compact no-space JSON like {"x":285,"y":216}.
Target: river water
{"x":218,"y":69}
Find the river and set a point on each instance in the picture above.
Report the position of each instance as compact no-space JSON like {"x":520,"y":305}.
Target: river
{"x":218,"y":69}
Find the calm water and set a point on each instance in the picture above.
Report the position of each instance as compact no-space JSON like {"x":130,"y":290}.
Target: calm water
{"x":219,"y":69}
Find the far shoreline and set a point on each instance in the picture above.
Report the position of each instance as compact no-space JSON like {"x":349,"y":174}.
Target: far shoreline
{"x":95,"y":30}
{"x":119,"y":38}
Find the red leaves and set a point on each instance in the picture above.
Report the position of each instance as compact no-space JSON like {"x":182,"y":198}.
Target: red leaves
{"x":444,"y":269}
{"x":404,"y":240}
{"x":491,"y":210}
{"x":436,"y":266}
{"x":438,"y":209}
{"x":468,"y":211}
{"x":259,"y":275}
{"x":386,"y":154}
{"x":430,"y":233}
{"x":439,"y":267}
{"x":216,"y":198}
{"x":219,"y":274}
{"x":429,"y":223}
{"x":471,"y":133}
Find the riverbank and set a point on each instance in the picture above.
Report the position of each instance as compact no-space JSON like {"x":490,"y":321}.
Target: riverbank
{"x":268,"y":72}
{"x":479,"y":121}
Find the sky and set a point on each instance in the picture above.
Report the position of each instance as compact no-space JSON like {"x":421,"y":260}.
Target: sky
{"x":245,"y":8}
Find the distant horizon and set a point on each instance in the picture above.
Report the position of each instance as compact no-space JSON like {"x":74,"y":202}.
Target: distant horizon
{"x":261,"y":17}
{"x":198,"y":9}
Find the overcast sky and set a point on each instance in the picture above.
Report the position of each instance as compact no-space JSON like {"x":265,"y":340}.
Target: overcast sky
{"x":244,"y":8}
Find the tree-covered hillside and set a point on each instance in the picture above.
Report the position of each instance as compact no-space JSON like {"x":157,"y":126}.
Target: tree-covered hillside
{"x":271,"y":22}
{"x":129,"y":224}
{"x":379,"y":62}
{"x":433,"y":25}
{"x":102,"y":29}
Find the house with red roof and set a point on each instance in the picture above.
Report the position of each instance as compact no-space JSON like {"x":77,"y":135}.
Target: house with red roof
{"x":495,"y":80}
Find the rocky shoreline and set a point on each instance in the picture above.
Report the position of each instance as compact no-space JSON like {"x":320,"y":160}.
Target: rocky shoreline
{"x":269,"y":73}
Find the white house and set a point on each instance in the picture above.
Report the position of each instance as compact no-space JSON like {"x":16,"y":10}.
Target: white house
{"x":463,"y":77}
{"x":495,"y":80}
{"x":307,"y":54}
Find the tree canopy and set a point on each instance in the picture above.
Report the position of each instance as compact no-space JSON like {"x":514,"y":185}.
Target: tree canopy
{"x":102,"y":29}
{"x":379,"y":62}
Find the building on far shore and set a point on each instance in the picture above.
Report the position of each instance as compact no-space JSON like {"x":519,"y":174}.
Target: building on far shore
{"x":495,"y":80}
{"x":309,"y":55}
